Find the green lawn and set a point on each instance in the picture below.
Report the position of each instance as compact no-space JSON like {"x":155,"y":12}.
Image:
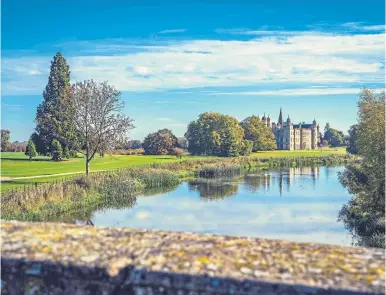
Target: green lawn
{"x":18,"y":165}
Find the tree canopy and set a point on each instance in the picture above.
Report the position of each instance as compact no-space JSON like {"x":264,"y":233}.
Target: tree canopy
{"x":54,"y":119}
{"x":333,"y":136}
{"x":364,"y":215}
{"x":161,"y":142}
{"x":98,"y":115}
{"x":352,"y":139}
{"x":5,"y":139}
{"x":260,"y":134}
{"x":31,"y":149}
{"x":215,"y":134}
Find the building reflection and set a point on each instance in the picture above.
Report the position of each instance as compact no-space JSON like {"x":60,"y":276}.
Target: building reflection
{"x":283,"y":179}
{"x":261,"y":181}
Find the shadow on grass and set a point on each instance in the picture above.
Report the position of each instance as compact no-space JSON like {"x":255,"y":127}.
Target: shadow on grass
{"x":26,"y":160}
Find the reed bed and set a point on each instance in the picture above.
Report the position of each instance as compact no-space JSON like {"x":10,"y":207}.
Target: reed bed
{"x":219,"y":170}
{"x":44,"y":202}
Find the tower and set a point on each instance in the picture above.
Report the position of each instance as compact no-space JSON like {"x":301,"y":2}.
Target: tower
{"x":269,"y":121}
{"x":289,"y":134}
{"x":264,"y":119}
{"x":280,"y":121}
{"x":314,"y":135}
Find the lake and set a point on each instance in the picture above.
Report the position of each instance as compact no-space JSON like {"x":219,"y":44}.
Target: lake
{"x":297,"y":204}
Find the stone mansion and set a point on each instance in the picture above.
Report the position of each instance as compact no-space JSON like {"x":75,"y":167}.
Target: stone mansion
{"x":291,"y":136}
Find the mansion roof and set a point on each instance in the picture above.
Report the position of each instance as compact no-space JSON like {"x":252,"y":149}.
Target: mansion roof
{"x":304,"y":126}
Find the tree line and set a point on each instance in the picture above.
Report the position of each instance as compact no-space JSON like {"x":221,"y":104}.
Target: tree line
{"x":88,"y":118}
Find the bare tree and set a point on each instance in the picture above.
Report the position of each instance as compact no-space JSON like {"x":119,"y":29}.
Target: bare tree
{"x":99,"y":117}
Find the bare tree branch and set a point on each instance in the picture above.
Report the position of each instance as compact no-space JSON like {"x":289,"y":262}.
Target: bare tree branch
{"x":99,"y":117}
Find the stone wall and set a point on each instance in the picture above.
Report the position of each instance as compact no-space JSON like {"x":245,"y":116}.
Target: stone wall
{"x":47,"y":258}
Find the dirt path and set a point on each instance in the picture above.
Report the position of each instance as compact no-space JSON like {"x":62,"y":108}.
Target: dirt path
{"x":5,"y":178}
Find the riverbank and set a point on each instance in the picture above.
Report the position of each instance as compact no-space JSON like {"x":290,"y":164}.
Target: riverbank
{"x":120,"y":187}
{"x":17,"y":170}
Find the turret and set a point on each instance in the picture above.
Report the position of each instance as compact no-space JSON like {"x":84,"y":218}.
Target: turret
{"x":288,"y":120}
{"x":269,"y":122}
{"x":314,"y":123}
{"x":264,"y":119}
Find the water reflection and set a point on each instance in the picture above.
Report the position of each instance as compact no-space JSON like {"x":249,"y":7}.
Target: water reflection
{"x":299,"y":204}
{"x":214,"y":189}
{"x":261,"y":181}
{"x":83,"y":216}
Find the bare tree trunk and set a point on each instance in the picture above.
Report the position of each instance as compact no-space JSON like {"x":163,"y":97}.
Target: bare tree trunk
{"x":87,"y":157}
{"x":87,"y":164}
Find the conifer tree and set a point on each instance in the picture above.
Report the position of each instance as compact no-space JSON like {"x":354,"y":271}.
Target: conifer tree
{"x":57,"y":151}
{"x":31,"y":149}
{"x":55,"y":115}
{"x":66,"y":152}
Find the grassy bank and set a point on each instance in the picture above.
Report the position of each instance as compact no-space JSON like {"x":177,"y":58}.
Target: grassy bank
{"x":116,"y":188}
{"x":50,"y":201}
{"x":16,"y":165}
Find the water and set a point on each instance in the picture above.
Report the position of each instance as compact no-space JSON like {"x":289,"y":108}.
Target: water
{"x":297,"y":204}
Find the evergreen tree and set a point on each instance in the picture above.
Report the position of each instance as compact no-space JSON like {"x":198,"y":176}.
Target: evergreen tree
{"x":55,"y":115}
{"x":66,"y":152}
{"x":57,"y":151}
{"x":31,"y":149}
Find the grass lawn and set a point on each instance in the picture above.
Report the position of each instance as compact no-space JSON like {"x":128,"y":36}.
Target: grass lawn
{"x":18,"y":165}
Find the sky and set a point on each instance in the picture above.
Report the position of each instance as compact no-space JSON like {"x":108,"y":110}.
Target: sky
{"x":173,"y":60}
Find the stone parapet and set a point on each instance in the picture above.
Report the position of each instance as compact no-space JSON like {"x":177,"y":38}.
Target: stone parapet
{"x":49,"y":258}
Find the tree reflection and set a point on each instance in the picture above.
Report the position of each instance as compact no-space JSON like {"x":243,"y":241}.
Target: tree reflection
{"x":214,"y":189}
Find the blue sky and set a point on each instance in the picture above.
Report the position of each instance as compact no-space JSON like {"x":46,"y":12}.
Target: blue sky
{"x":175,"y":60}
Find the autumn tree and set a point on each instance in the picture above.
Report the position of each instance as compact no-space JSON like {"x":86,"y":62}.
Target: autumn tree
{"x":99,"y":118}
{"x":259,"y":133}
{"x":161,"y":142}
{"x":177,"y":151}
{"x":215,"y":134}
{"x":54,"y":118}
{"x":5,"y":139}
{"x":31,"y":149}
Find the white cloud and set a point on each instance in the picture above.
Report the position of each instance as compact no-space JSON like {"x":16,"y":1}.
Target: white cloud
{"x":297,"y":91}
{"x":173,"y":31}
{"x":304,"y":58}
{"x":359,"y":26}
{"x":142,"y":70}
